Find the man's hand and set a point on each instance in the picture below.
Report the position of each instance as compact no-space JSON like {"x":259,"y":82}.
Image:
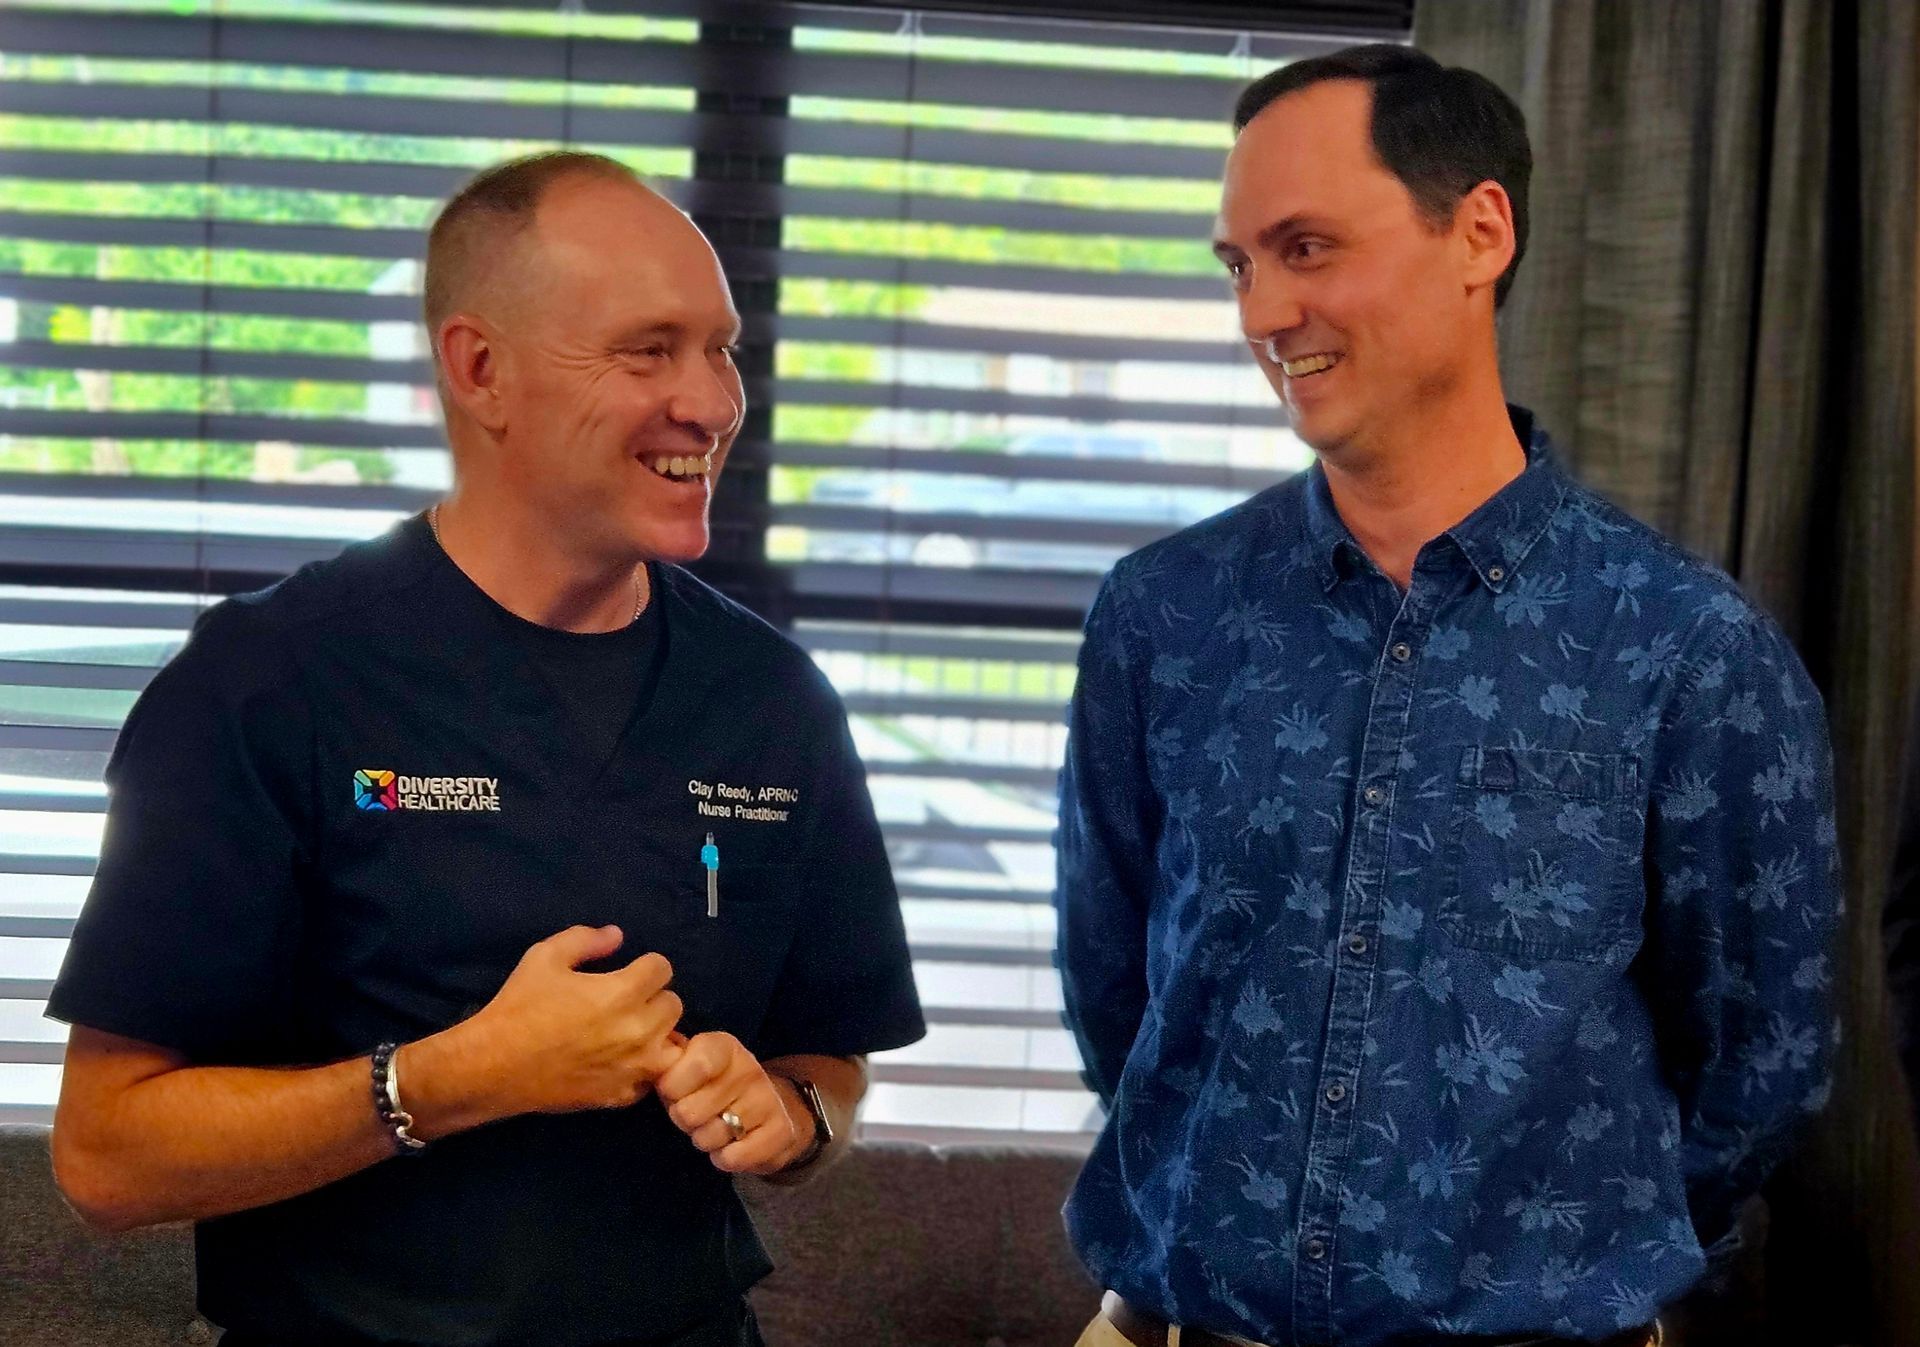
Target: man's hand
{"x":716,"y":1075}
{"x":556,"y":1040}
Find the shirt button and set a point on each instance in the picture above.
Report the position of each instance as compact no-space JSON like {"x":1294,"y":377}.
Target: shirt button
{"x":1336,"y":1092}
{"x":1402,"y":652}
{"x":1496,"y":573}
{"x":1316,"y":1248}
{"x":1374,"y":796}
{"x":1357,"y":943}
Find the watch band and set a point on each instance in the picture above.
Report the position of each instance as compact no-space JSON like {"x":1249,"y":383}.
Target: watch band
{"x":822,"y":1128}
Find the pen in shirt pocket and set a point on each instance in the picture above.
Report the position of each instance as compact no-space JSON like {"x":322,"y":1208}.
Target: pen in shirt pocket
{"x":710,"y":859}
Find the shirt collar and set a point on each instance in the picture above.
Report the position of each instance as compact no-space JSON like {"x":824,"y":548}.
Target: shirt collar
{"x":1495,"y":539}
{"x":1327,"y":534}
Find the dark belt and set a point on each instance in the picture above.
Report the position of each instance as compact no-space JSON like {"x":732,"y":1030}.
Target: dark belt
{"x":1143,"y":1330}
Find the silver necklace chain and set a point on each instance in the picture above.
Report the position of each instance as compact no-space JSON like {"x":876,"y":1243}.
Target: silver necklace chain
{"x":639,"y":594}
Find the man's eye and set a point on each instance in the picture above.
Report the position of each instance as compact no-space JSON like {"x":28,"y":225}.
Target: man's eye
{"x":1306,"y":250}
{"x":732,"y":352}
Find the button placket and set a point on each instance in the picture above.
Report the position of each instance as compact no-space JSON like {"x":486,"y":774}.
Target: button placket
{"x":1378,"y":768}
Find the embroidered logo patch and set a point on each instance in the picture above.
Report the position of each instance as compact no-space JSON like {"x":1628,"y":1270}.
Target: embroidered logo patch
{"x":375,"y":789}
{"x":381,"y":790}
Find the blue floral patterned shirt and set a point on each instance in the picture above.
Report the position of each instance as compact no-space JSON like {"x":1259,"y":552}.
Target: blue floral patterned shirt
{"x":1453,"y":961}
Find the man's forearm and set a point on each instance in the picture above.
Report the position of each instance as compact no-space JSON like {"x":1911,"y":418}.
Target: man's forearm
{"x":189,"y":1143}
{"x":205,"y":1141}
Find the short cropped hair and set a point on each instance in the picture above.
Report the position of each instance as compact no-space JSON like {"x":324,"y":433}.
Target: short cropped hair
{"x":1441,"y":130}
{"x":486,"y":215}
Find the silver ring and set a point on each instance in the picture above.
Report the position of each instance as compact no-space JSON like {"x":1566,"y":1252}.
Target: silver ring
{"x":734,"y":1124}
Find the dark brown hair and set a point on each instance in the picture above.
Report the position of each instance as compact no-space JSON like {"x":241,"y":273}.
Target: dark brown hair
{"x":1441,"y":130}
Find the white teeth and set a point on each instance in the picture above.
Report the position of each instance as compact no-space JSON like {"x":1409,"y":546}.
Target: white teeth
{"x":679,"y":467}
{"x":1309,"y":364}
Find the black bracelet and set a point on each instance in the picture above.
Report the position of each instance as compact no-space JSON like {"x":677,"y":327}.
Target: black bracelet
{"x":386,"y":1103}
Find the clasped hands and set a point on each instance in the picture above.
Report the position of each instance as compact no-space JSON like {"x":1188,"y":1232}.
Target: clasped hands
{"x":562,"y":1040}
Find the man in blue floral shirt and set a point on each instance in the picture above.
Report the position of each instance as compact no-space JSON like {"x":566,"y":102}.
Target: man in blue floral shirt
{"x":1447,"y":862}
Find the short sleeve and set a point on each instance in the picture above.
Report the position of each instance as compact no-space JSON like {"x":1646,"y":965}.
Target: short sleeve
{"x":187,"y":937}
{"x":846,"y":987}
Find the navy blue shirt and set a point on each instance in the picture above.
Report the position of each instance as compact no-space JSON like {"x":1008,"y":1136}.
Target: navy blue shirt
{"x":344,"y":812}
{"x":1453,"y":961}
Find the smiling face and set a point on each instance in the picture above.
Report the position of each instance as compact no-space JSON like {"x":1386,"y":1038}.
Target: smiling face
{"x":617,"y":394}
{"x":1361,"y":312}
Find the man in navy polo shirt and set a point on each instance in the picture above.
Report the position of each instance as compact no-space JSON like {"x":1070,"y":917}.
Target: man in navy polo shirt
{"x":475,"y":905}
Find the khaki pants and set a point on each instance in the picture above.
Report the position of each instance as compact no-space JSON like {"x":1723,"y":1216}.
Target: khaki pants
{"x":1100,"y":1332}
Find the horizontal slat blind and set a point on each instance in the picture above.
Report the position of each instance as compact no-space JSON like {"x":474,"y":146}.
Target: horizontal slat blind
{"x":990,"y":346}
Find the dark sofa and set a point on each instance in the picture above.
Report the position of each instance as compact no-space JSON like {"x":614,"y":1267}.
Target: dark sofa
{"x":902,"y":1244}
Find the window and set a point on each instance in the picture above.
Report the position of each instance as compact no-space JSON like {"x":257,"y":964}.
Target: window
{"x":988,"y":353}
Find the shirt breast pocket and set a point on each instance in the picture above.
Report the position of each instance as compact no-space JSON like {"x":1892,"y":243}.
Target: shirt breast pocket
{"x":726,"y":966}
{"x":1545,"y":854}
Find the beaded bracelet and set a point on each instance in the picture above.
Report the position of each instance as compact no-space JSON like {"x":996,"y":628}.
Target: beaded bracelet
{"x":386,"y":1102}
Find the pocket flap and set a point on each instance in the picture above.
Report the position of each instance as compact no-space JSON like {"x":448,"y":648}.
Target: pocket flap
{"x":1582,"y":776}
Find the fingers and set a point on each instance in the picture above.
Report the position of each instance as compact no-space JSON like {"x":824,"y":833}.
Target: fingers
{"x":767,"y":1145}
{"x":661,"y":1047}
{"x":647,"y":974}
{"x":763,"y":1120}
{"x":766,"y":1135}
{"x":575,"y":1040}
{"x":731,"y":1089}
{"x":704,"y":1059}
{"x":765,"y":1151}
{"x":653,"y":1025}
{"x":757,"y":1134}
{"x":715,"y":1074}
{"x":582,"y":944}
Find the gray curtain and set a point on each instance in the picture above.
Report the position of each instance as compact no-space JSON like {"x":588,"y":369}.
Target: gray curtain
{"x":1716,"y":317}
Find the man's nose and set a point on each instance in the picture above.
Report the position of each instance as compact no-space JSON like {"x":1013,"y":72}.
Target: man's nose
{"x":709,"y":398}
{"x":1269,"y":308}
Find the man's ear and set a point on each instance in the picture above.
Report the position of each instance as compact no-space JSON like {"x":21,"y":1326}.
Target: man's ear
{"x":470,"y":369}
{"x":1484,"y":222}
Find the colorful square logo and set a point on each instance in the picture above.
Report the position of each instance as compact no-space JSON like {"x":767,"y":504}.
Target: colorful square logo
{"x":374,"y":789}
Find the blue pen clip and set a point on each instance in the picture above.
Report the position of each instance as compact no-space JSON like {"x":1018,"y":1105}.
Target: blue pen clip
{"x":710,"y":857}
